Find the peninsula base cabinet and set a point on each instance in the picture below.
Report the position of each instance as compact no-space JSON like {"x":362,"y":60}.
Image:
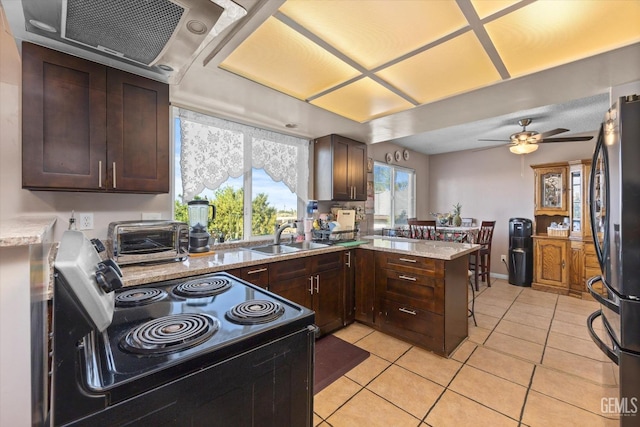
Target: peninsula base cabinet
{"x":364,"y":283}
{"x":422,"y":300}
{"x":315,"y":282}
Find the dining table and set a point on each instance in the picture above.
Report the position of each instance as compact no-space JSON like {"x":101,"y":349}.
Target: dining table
{"x":445,"y":233}
{"x":457,"y":234}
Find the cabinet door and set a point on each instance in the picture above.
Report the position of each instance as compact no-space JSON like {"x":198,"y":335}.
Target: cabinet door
{"x":551,"y":262}
{"x":63,"y":121}
{"x":137,"y":133}
{"x":358,"y":170}
{"x":550,"y":191}
{"x":576,"y":272}
{"x":297,"y":289}
{"x":328,"y":300}
{"x":365,"y":285}
{"x":341,"y":186}
{"x":349,"y":286}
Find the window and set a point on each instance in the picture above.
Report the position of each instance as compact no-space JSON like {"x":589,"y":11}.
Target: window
{"x":255,"y":178}
{"x":395,"y":195}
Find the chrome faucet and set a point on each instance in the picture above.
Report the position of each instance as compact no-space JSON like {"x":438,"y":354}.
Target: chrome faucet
{"x":280,"y":229}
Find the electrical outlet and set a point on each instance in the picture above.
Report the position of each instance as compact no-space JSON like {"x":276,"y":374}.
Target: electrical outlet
{"x":85,"y":221}
{"x":503,"y":258}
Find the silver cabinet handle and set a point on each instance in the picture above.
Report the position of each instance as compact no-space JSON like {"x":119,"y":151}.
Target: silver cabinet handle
{"x":348,"y":263}
{"x":317,"y":283}
{"x":99,"y":173}
{"x":114,"y":174}
{"x":260,"y":270}
{"x":311,"y":285}
{"x":413,"y":279}
{"x":404,"y":310}
{"x":407,"y":260}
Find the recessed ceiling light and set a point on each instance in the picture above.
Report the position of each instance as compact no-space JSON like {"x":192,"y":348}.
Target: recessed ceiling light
{"x":43,"y":26}
{"x":165,"y":67}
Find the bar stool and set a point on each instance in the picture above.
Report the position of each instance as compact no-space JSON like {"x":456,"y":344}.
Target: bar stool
{"x":480,"y":261}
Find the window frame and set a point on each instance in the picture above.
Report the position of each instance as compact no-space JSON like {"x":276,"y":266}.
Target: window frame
{"x":412,"y":195}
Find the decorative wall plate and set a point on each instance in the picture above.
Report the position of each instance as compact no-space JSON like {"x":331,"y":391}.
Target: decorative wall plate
{"x":405,"y":154}
{"x":389,"y":157}
{"x":398,"y":156}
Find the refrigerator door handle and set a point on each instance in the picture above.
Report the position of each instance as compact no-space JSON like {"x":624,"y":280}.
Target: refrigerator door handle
{"x":612,"y":353}
{"x":610,"y":304}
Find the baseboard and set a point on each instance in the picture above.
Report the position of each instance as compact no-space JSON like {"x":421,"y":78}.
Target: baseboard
{"x":499,"y":276}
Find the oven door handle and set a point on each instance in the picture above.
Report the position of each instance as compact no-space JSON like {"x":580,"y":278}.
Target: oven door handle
{"x":610,"y":304}
{"x":612,"y":353}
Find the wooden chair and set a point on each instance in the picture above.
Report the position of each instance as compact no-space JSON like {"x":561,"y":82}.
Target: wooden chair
{"x":419,"y":229}
{"x":480,"y":261}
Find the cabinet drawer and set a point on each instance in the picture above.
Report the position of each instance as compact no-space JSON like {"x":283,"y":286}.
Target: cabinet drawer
{"x":412,"y":264}
{"x":284,"y":270}
{"x":326,"y":262}
{"x":423,"y":292}
{"x":257,"y":274}
{"x":421,"y":327}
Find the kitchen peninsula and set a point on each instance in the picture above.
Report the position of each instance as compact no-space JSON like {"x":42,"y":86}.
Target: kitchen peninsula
{"x":413,"y":289}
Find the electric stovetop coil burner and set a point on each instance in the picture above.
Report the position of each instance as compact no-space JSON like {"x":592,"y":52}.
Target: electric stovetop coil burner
{"x":255,"y":311}
{"x":170,"y":333}
{"x":203,"y":287}
{"x":138,"y":297}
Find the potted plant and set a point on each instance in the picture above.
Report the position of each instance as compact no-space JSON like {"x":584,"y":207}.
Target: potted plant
{"x":457,"y":220}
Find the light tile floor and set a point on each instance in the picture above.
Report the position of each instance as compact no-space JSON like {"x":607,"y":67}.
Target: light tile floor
{"x":530,"y":362}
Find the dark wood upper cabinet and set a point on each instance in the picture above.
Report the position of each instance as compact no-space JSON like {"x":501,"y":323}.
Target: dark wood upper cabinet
{"x":88,"y":127}
{"x":340,"y":169}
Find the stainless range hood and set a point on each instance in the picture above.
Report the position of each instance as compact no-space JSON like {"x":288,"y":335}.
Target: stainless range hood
{"x":158,"y":39}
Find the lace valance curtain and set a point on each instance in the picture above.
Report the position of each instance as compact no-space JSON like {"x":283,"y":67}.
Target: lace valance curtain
{"x":214,"y":149}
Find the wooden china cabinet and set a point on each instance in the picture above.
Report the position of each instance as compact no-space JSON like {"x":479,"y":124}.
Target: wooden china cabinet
{"x":563,"y":258}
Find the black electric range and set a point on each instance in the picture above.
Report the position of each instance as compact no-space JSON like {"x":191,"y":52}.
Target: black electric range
{"x":205,"y":350}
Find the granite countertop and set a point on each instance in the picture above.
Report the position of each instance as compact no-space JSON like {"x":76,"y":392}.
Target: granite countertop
{"x":231,"y":258}
{"x":24,"y":231}
{"x":435,"y":249}
{"x":221,"y":260}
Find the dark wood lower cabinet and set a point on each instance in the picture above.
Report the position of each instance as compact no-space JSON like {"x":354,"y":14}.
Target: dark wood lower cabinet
{"x":364,"y":284}
{"x":315,"y":282}
{"x":422,"y":300}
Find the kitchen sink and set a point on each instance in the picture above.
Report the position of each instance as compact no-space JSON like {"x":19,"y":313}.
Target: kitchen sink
{"x":305,"y":246}
{"x":287,"y":248}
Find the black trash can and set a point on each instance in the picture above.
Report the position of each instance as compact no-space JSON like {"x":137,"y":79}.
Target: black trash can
{"x":520,"y":252}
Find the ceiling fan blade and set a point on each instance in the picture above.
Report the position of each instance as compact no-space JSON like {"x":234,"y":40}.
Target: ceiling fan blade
{"x":548,"y":133}
{"x":567,"y":139}
{"x":494,"y":140}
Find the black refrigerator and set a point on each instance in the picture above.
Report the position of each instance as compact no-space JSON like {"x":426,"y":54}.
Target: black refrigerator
{"x":520,"y":252}
{"x":614,"y":189}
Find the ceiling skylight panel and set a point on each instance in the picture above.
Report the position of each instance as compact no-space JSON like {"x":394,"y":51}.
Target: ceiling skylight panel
{"x":456,"y":66}
{"x":374,"y":32}
{"x":279,"y":57}
{"x":486,"y":8}
{"x":362,"y":100}
{"x":546,"y":34}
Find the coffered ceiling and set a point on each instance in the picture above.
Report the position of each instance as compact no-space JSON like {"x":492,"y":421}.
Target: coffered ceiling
{"x":434,"y":76}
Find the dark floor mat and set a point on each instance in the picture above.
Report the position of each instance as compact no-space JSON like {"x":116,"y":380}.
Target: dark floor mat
{"x":334,"y":358}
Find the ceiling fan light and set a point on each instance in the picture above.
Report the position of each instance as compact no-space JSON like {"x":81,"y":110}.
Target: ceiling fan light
{"x":523,"y":148}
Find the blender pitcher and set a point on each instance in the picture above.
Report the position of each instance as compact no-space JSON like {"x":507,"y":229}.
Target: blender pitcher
{"x":200,"y":213}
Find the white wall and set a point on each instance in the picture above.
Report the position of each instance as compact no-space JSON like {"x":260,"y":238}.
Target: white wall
{"x":495,"y":185}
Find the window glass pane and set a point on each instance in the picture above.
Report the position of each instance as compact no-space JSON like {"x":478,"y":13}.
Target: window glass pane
{"x":401,"y":208}
{"x":394,"y":202}
{"x":272,"y":202}
{"x":382,"y":178}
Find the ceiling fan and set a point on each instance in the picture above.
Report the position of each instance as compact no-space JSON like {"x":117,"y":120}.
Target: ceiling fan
{"x":525,"y":142}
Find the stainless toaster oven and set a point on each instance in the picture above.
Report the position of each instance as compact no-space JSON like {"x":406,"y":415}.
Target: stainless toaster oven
{"x":137,"y":242}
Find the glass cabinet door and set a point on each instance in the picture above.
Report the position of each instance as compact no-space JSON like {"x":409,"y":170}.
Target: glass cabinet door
{"x":576,"y":201}
{"x":551,"y":186}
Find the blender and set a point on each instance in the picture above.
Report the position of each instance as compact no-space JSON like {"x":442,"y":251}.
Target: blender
{"x":200,"y":213}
